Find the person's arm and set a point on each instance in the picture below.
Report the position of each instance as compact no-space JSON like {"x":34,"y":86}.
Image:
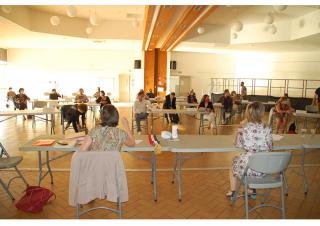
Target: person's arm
{"x":130,"y":141}
{"x":314,"y":100}
{"x":27,"y":97}
{"x":86,"y":100}
{"x":98,"y":100}
{"x":86,"y":143}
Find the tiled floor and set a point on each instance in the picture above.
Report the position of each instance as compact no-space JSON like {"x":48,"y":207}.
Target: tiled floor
{"x":204,"y":183}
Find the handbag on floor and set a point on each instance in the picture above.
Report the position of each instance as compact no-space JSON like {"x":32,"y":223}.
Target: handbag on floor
{"x":34,"y":199}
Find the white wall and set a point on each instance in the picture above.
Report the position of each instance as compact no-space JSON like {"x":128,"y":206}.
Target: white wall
{"x":203,"y":66}
{"x":38,"y":70}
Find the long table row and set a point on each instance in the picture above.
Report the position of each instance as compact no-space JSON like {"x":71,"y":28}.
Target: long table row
{"x":185,"y":144}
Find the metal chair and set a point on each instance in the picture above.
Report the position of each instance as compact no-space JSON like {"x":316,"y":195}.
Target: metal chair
{"x":205,"y":123}
{"x":38,"y":104}
{"x":110,"y":184}
{"x":134,"y":125}
{"x":7,"y":162}
{"x":273,"y":164}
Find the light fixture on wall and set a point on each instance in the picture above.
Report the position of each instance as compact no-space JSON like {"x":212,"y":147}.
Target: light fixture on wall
{"x":135,"y":23}
{"x":55,"y":20}
{"x":71,"y":11}
{"x":234,"y":35}
{"x":301,"y":23}
{"x":94,"y":19}
{"x":6,"y":9}
{"x":201,"y":30}
{"x":273,"y":29}
{"x":279,"y":7}
{"x":89,"y":30}
{"x":237,"y":26}
{"x":268,"y":19}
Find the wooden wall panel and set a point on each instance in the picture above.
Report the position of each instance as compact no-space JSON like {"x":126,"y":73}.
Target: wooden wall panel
{"x":149,"y":72}
{"x":162,"y":71}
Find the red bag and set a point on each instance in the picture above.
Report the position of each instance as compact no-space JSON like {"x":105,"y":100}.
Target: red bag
{"x":34,"y":199}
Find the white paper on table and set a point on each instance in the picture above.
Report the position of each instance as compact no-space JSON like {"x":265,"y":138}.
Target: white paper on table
{"x":138,"y":141}
{"x":276,"y":137}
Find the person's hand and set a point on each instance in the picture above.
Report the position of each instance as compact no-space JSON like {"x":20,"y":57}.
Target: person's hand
{"x":125,"y":123}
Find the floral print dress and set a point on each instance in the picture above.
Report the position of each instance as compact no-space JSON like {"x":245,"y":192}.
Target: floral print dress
{"x":252,"y":138}
{"x":105,"y":138}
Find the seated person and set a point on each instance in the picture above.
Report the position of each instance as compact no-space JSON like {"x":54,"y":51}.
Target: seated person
{"x":54,"y":95}
{"x":210,"y":115}
{"x":140,"y":108}
{"x":236,"y":101}
{"x":81,"y":97}
{"x":103,"y":99}
{"x":21,"y":100}
{"x":150,"y":94}
{"x":97,"y":94}
{"x":252,"y":136}
{"x":72,"y":116}
{"x":282,"y":112}
{"x":10,"y":97}
{"x":227,"y":104}
{"x":316,"y":98}
{"x":107,"y":137}
{"x":192,"y":97}
{"x":170,"y":103}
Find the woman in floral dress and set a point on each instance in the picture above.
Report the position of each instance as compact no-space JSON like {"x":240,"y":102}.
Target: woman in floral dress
{"x":253,"y":136}
{"x":107,"y":137}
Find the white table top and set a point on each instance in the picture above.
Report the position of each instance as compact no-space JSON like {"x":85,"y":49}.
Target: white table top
{"x":142,"y":146}
{"x":176,"y":111}
{"x":188,"y":143}
{"x":306,"y":115}
{"x":30,"y":112}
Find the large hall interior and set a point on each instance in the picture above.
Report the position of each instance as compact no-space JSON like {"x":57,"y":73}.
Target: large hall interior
{"x":159,"y":111}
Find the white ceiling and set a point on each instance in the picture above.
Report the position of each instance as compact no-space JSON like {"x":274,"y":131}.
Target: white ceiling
{"x":110,"y":12}
{"x":255,"y":14}
{"x":15,"y":36}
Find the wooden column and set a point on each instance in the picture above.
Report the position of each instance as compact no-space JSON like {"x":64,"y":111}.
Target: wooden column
{"x":155,"y":71}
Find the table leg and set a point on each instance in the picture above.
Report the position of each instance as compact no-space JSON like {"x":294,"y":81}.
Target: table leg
{"x":53,"y":122}
{"x":40,"y":168}
{"x":152,"y":123}
{"x":305,"y":179}
{"x":33,"y":121}
{"x":179,"y":176}
{"x":154,"y":173}
{"x":174,"y":169}
{"x":48,"y":166}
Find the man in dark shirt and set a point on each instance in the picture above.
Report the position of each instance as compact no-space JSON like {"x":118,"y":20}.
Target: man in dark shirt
{"x":54,"y":95}
{"x":21,"y":100}
{"x":150,"y":94}
{"x":72,"y":115}
{"x":227,"y":103}
{"x":170,"y":103}
{"x":316,"y":98}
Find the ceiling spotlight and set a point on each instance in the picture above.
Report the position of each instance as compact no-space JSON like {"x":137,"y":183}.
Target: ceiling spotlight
{"x":268,"y":19}
{"x":237,"y":26}
{"x":273,"y":29}
{"x":201,"y":30}
{"x":301,"y":23}
{"x":55,"y":20}
{"x":72,"y":11}
{"x":280,"y":7}
{"x":6,"y":9}
{"x":94,"y":20}
{"x":135,"y":23}
{"x":234,"y":35}
{"x":89,"y":30}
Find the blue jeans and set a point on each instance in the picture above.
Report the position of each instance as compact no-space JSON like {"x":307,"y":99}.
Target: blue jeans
{"x":139,"y":118}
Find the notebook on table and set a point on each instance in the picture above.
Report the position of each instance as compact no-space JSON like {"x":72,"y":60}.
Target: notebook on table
{"x":44,"y":142}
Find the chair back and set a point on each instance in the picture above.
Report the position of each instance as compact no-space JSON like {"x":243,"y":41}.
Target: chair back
{"x":39,"y":104}
{"x":270,"y":121}
{"x":269,"y":162}
{"x":97,"y":174}
{"x":311,"y":109}
{"x":3,"y":152}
